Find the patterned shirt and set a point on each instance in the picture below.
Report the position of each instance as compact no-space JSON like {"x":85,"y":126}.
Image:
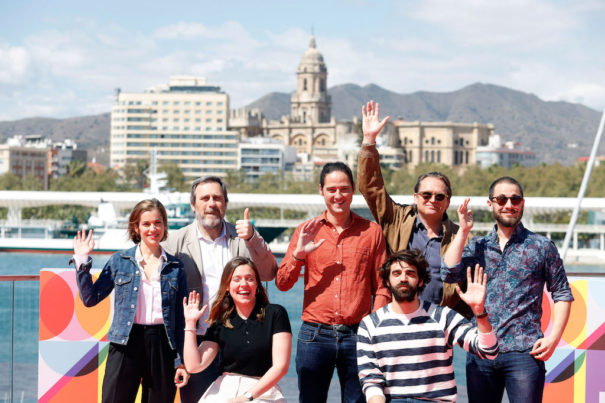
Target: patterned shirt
{"x":410,"y":355}
{"x":341,"y":276}
{"x":515,"y":282}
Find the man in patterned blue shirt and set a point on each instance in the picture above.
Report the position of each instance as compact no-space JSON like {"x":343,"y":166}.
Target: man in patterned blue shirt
{"x":518,"y":263}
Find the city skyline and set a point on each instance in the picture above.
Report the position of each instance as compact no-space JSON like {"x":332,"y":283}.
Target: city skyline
{"x":66,"y":59}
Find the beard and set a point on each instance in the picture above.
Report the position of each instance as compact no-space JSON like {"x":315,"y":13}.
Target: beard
{"x":208,"y":221}
{"x":402,"y":295}
{"x":507,"y":222}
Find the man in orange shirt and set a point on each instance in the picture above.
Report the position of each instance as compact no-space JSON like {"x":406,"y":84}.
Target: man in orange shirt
{"x":341,"y":253}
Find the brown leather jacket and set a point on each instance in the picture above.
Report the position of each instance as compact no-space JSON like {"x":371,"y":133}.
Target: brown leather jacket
{"x":397,"y":220}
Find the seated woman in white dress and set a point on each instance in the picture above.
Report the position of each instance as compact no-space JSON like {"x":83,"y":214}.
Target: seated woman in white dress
{"x":253,"y":336}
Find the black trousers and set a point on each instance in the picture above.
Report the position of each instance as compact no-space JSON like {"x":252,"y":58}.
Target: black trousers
{"x":148,"y":359}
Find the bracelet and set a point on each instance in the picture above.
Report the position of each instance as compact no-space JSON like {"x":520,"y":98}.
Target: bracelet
{"x":481,"y":315}
{"x":189,"y":329}
{"x":300,"y":260}
{"x":368,"y":144}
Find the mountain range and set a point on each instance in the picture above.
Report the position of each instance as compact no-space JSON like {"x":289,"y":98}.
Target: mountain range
{"x":556,"y":131}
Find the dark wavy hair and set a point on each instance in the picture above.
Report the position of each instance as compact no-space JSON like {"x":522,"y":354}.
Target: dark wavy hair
{"x":413,"y":257}
{"x":223,"y":306}
{"x":135,"y":217}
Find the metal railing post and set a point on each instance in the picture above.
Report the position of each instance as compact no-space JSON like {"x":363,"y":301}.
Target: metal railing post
{"x":12,"y":352}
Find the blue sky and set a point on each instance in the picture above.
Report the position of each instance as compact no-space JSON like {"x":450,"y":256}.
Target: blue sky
{"x":65,"y":58}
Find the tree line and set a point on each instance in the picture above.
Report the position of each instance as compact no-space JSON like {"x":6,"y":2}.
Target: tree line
{"x":554,"y":180}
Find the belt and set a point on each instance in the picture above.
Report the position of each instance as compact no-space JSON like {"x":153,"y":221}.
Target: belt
{"x":338,"y":328}
{"x":157,"y":326}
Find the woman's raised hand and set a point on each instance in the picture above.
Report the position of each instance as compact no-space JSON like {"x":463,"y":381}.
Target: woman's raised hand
{"x":83,"y":244}
{"x":192,"y":310}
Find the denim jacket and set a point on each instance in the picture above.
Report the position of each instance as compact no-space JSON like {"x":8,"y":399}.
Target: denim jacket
{"x":122,"y":273}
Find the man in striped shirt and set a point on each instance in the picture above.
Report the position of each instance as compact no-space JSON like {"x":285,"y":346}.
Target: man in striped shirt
{"x":404,"y":350}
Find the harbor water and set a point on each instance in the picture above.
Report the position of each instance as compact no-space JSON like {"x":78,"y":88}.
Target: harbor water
{"x":25,"y":328}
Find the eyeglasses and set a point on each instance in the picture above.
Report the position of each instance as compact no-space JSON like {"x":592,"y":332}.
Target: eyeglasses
{"x":515,"y":200}
{"x":427,"y":196}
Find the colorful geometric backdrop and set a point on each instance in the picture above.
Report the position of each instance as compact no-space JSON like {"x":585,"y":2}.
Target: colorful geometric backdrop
{"x":73,"y":341}
{"x":575,"y":372}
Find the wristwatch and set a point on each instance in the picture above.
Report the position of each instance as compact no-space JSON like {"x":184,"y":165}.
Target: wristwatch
{"x":249,"y":396}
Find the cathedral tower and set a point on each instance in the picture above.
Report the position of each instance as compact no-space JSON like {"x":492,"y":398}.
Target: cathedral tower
{"x":311,"y":102}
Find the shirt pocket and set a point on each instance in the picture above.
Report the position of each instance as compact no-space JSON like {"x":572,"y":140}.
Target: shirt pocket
{"x":362,"y":258}
{"x":123,"y":283}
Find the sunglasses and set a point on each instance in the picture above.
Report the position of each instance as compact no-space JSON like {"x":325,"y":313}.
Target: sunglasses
{"x":515,"y":200}
{"x":438,"y":196}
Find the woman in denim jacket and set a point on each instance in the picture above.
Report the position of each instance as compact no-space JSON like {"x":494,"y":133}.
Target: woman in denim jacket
{"x":146,"y":333}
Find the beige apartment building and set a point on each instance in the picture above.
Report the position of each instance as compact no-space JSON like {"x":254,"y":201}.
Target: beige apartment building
{"x":186,"y":121}
{"x":449,"y":143}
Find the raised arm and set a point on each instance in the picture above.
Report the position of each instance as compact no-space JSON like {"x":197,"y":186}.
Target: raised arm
{"x":83,"y":244}
{"x":474,"y":297}
{"x":301,"y":244}
{"x":484,"y":343}
{"x":90,"y":294}
{"x":196,"y":358}
{"x":369,"y":175}
{"x":371,"y":124}
{"x":259,"y":250}
{"x":453,"y":255}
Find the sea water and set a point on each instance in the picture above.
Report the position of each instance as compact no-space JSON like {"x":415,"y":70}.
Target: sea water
{"x":24,"y":332}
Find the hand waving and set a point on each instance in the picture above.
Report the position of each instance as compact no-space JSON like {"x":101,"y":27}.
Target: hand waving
{"x":465,"y":216}
{"x":475,"y":289}
{"x":371,"y":123}
{"x":305,"y":244}
{"x":83,"y":244}
{"x":244,"y":227}
{"x":191,"y":309}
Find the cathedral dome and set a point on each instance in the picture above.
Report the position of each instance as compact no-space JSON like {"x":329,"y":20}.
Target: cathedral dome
{"x":312,"y":55}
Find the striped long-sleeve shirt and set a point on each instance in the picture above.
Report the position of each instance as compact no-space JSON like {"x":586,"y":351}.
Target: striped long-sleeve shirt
{"x":410,"y":355}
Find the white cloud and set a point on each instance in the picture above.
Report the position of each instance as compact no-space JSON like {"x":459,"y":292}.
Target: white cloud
{"x":585,"y":93}
{"x":227,"y":32}
{"x":524,"y":24}
{"x":533,"y":46}
{"x":15,"y":65}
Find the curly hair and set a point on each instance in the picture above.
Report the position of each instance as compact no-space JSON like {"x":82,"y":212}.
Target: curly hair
{"x":413,"y":257}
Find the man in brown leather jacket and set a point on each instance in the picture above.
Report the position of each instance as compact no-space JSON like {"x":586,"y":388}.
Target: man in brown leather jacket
{"x":423,"y":225}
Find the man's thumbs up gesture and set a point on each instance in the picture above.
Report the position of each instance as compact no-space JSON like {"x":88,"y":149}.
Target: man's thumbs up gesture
{"x":244,"y":227}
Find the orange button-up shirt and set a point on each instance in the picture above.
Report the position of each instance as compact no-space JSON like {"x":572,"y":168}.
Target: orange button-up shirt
{"x":341,"y":276}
